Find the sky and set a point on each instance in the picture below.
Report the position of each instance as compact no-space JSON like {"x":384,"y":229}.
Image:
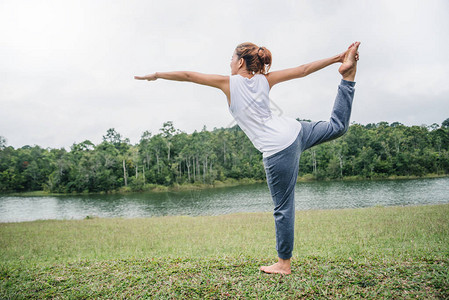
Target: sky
{"x":67,"y":67}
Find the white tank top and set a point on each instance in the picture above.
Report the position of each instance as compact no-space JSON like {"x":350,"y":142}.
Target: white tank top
{"x":250,"y":106}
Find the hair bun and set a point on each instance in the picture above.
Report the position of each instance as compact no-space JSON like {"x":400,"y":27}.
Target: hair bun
{"x":263,"y":55}
{"x":257,"y":59}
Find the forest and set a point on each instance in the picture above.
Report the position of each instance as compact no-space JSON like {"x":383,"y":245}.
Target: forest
{"x":172,"y":157}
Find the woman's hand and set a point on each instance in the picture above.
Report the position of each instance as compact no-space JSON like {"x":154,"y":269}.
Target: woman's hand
{"x":341,"y":56}
{"x":216,"y":81}
{"x":149,"y":77}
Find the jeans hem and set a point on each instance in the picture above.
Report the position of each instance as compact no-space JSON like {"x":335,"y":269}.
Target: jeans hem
{"x":347,"y":82}
{"x":284,"y":255}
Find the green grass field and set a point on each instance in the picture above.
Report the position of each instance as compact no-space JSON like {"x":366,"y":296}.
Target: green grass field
{"x":394,"y":252}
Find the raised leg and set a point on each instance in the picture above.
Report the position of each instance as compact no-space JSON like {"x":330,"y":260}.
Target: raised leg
{"x":315,"y":133}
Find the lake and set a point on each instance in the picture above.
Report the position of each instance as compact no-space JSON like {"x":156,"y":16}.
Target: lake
{"x":226,"y":200}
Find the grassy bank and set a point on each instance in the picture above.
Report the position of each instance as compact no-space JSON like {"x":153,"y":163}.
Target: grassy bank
{"x":151,"y":188}
{"x":369,"y":253}
{"x":218,"y":184}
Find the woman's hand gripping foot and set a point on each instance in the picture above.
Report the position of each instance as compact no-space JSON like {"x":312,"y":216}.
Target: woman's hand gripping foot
{"x":349,"y":66}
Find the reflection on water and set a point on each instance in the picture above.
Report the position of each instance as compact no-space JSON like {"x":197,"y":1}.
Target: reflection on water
{"x":245,"y":198}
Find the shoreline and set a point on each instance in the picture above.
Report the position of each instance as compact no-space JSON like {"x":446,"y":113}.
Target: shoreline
{"x":228,"y":215}
{"x":217,"y":184}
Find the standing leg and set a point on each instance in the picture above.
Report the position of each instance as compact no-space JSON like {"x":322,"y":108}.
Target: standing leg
{"x":282,"y":172}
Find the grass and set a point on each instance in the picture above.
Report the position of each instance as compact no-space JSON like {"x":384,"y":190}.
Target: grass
{"x":394,"y":252}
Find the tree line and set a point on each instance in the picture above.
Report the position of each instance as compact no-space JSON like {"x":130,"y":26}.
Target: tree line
{"x":174,"y":157}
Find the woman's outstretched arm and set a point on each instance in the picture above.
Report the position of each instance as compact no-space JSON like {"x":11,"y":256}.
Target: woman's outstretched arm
{"x":302,"y":70}
{"x":217,"y":81}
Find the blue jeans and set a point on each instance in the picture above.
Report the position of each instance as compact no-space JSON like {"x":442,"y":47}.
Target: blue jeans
{"x":282,"y":167}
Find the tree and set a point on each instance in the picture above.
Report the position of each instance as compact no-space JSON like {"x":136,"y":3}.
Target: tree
{"x":112,"y":137}
{"x":2,"y":143}
{"x":168,"y":130}
{"x":445,"y":123}
{"x":115,"y":138}
{"x":145,"y":151}
{"x":396,"y":124}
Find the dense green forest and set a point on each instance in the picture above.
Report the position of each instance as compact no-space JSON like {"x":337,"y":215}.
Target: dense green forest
{"x":172,"y":157}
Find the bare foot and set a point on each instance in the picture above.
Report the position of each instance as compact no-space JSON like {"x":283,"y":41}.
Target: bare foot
{"x":281,"y":267}
{"x":349,"y":66}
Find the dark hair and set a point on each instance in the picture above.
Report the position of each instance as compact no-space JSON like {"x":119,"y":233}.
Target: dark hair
{"x":257,"y":59}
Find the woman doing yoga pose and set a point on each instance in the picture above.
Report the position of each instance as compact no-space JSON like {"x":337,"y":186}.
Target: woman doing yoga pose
{"x":280,"y":139}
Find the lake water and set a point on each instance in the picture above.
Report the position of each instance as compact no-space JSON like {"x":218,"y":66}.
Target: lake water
{"x":244,"y":198}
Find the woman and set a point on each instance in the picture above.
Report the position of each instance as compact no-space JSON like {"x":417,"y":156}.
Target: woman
{"x":281,"y":139}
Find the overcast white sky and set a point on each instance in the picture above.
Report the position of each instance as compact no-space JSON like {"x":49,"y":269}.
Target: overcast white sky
{"x":67,"y":67}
